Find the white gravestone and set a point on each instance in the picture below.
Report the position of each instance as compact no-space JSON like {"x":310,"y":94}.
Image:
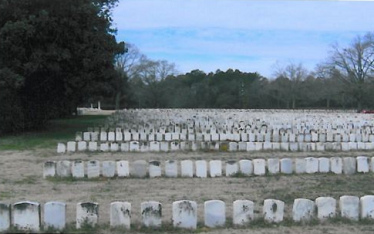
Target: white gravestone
{"x":134,"y":146}
{"x":93,"y":169}
{"x":26,"y":215}
{"x":111,"y":136}
{"x":94,"y":136}
{"x":363,"y":164}
{"x":367,"y":207}
{"x":125,"y":147}
{"x":139,"y":169}
{"x":300,"y":165}
{"x":87,"y":214}
{"x":232,"y":168}
{"x":92,"y":146}
{"x":49,"y":169}
{"x":103,"y":136}
{"x":104,"y":147}
{"x":82,"y":145}
{"x":55,"y":215}
{"x":77,"y":169}
{"x":154,"y":146}
{"x":123,"y":168}
{"x":273,"y":165}
{"x":286,"y":166}
{"x":151,"y":212}
{"x":61,"y":148}
{"x":154,"y":169}
{"x":5,"y":219}
{"x":214,"y":213}
{"x":349,"y":207}
{"x":186,"y":168}
{"x":164,"y":146}
{"x":171,"y":168}
{"x":259,"y":167}
{"x":243,"y":212}
{"x":86,"y":136}
{"x":108,"y":168}
{"x":303,"y":210}
{"x":63,"y":168}
{"x":336,"y":165}
{"x":119,"y":136}
{"x":71,"y":146}
{"x":246,"y":167}
{"x":185,"y":214}
{"x":114,"y":147}
{"x":323,"y":165}
{"x":233,"y":146}
{"x":326,"y":207}
{"x":349,"y":165}
{"x":215,"y":168}
{"x":201,"y":168}
{"x":311,"y":165}
{"x":273,"y":210}
{"x":120,"y":214}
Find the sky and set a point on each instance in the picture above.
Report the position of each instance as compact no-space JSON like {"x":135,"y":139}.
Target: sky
{"x":252,"y":36}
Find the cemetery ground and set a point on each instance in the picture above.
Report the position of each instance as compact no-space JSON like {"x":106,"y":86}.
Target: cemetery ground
{"x":22,"y":158}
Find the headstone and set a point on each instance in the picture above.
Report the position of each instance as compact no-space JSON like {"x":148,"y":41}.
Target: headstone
{"x":82,"y":145}
{"x":326,"y":207}
{"x":125,"y":146}
{"x":5,"y":219}
{"x":26,"y":215}
{"x":92,"y":146}
{"x":243,"y":212}
{"x":201,"y":168}
{"x":323,"y":165}
{"x":154,"y":169}
{"x":294,"y":146}
{"x":311,"y":165}
{"x":214,"y":213}
{"x":123,"y":168}
{"x":232,"y":168}
{"x":336,"y":165}
{"x":349,"y":207}
{"x":286,"y":166}
{"x":77,"y":169}
{"x":186,"y":168}
{"x":276,"y":146}
{"x":108,"y":168}
{"x":103,"y":136}
{"x":300,"y":165}
{"x":185,"y":214}
{"x":139,"y":169}
{"x":363,"y":164}
{"x":303,"y":210}
{"x":273,"y":210}
{"x":174,"y":146}
{"x":61,"y":148}
{"x":119,"y":135}
{"x":49,"y":169}
{"x":120,"y":214}
{"x":215,"y":168}
{"x":104,"y":147}
{"x":134,"y":146}
{"x":86,"y":136}
{"x":93,"y":169}
{"x":242,"y":146}
{"x":151,"y":212}
{"x":111,"y":136}
{"x":95,"y":136}
{"x":367,"y":207}
{"x":233,"y":146}
{"x":171,"y":168}
{"x":87,"y":214}
{"x":285,"y":146}
{"x":320,"y":146}
{"x":71,"y":146}
{"x":273,"y":165}
{"x":246,"y":167}
{"x":259,"y":166}
{"x":114,"y":147}
{"x":164,"y":146}
{"x":63,"y":168}
{"x":154,"y":146}
{"x":55,"y":215}
{"x":349,"y":165}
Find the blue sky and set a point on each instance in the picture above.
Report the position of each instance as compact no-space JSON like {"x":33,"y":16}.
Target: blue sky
{"x":252,"y":36}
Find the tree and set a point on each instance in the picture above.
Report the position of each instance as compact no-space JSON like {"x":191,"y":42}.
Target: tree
{"x":354,"y":66}
{"x":54,"y":56}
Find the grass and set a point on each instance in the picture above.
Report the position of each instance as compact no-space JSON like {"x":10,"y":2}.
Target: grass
{"x":59,"y":130}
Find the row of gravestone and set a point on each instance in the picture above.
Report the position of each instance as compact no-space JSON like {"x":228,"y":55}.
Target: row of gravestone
{"x":200,"y":168}
{"x":269,"y":136}
{"x":165,"y":146}
{"x":27,"y":215}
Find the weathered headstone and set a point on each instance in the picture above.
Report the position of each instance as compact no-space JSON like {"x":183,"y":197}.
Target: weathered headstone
{"x":303,"y":210}
{"x":63,"y":168}
{"x":87,"y":214}
{"x":349,"y":207}
{"x":367,"y":207}
{"x":108,"y":168}
{"x":233,"y":146}
{"x":300,"y":165}
{"x":120,"y":214}
{"x":154,"y":169}
{"x":259,"y":167}
{"x":311,"y":165}
{"x":5,"y":219}
{"x":246,"y":167}
{"x":326,"y":207}
{"x":273,"y":210}
{"x":164,"y":146}
{"x":363,"y":164}
{"x":139,"y":168}
{"x":185,"y":214}
{"x":82,"y":145}
{"x":232,"y":168}
{"x":77,"y":169}
{"x":26,"y":215}
{"x":349,"y":165}
{"x":336,"y":165}
{"x":123,"y":169}
{"x":243,"y":212}
{"x":171,"y":168}
{"x":323,"y":165}
{"x":61,"y":148}
{"x":154,"y":146}
{"x":71,"y":146}
{"x":201,"y":168}
{"x":55,"y":215}
{"x":151,"y":212}
{"x":186,"y":168}
{"x":93,"y":169}
{"x":114,"y":147}
{"x":49,"y":169}
{"x":286,"y":166}
{"x":134,"y":146}
{"x":214,"y":213}
{"x":92,"y":146}
{"x":273,"y":165}
{"x":86,"y":136}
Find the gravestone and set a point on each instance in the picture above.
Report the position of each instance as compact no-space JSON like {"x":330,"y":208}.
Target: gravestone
{"x":242,"y":146}
{"x":174,"y":146}
{"x":154,"y":146}
{"x":87,"y":214}
{"x":151,"y":212}
{"x":103,"y":136}
{"x":259,"y":167}
{"x":108,"y":168}
{"x":233,"y":146}
{"x":171,"y":168}
{"x":49,"y":169}
{"x":111,"y":136}
{"x":286,"y":166}
{"x":92,"y":146}
{"x":273,"y":210}
{"x":303,"y":210}
{"x":71,"y":146}
{"x":185,"y":214}
{"x":326,"y":207}
{"x":123,"y":168}
{"x":215,"y":168}
{"x":367,"y":207}
{"x":82,"y":145}
{"x":275,"y":146}
{"x":61,"y":148}
{"x":164,"y":146}
{"x":201,"y":168}
{"x":214,"y":213}
{"x":95,"y":136}
{"x":300,"y":165}
{"x":134,"y":146}
{"x":104,"y":147}
{"x":119,"y":135}
{"x":5,"y":219}
{"x":232,"y":168}
{"x":243,"y":212}
{"x":125,"y":146}
{"x":86,"y":136}
{"x":114,"y":147}
{"x":26,"y":215}
{"x":154,"y":169}
{"x":323,"y":165}
{"x":55,"y":215}
{"x":120,"y":214}
{"x":186,"y":168}
{"x":336,"y":165}
{"x":349,"y":165}
{"x":363,"y":164}
{"x":285,"y":146}
{"x":77,"y":169}
{"x":246,"y":167}
{"x":273,"y":165}
{"x":63,"y":168}
{"x":311,"y":165}
{"x":93,"y":169}
{"x":349,"y":207}
{"x":139,"y":169}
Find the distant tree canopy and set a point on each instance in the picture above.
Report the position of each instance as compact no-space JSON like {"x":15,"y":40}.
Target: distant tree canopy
{"x":54,"y":56}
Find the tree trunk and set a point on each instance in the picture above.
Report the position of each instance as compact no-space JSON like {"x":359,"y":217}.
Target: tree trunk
{"x":117,"y":101}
